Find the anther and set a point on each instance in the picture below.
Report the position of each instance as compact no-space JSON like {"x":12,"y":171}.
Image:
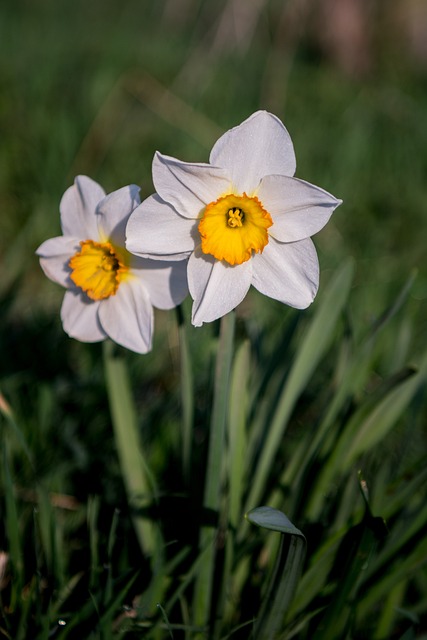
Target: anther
{"x":235,"y":218}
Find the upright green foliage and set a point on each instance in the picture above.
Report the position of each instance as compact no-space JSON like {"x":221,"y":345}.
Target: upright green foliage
{"x":314,"y":346}
{"x":212,"y":492}
{"x":286,"y":574}
{"x":139,"y":481}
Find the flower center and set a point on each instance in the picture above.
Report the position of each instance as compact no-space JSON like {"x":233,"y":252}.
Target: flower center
{"x":98,"y":268}
{"x":233,"y":227}
{"x":235,"y":218}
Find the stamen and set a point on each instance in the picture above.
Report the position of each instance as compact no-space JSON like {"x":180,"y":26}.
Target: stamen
{"x":235,"y":217}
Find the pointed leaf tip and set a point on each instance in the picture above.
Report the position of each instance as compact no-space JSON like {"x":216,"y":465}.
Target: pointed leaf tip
{"x":273,"y":519}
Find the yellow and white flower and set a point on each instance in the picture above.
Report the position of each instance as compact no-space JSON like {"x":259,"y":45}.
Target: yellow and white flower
{"x":242,"y":220}
{"x":110,"y":292}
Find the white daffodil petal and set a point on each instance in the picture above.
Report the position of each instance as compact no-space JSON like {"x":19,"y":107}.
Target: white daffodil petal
{"x":299,"y":209}
{"x":155,"y":230}
{"x":288,"y":272}
{"x":165,"y":282}
{"x":113,"y":212}
{"x":79,"y":317}
{"x":78,"y":207}
{"x":54,"y":255}
{"x":216,"y":287}
{"x":127,"y":317}
{"x":188,"y":187}
{"x":259,"y":146}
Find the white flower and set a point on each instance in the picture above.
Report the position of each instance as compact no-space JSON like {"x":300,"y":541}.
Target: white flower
{"x":242,"y":219}
{"x":109,"y":291}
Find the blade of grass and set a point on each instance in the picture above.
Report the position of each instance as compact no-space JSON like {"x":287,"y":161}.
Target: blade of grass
{"x":50,"y":531}
{"x":403,"y":569}
{"x":360,"y":545}
{"x":237,"y":441}
{"x":404,"y":534}
{"x":383,"y":417}
{"x":267,"y":384}
{"x":8,"y":413}
{"x":405,"y":489}
{"x":110,"y":546}
{"x":315,"y":343}
{"x":158,"y":587}
{"x":13,"y":532}
{"x":92,"y":523}
{"x":352,"y":372}
{"x":25,"y":613}
{"x":165,"y":619}
{"x":389,"y":612}
{"x":236,"y":457}
{"x":315,"y":577}
{"x":187,"y":394}
{"x":92,"y":607}
{"x":286,"y":574}
{"x":203,"y":585}
{"x":354,"y":556}
{"x":61,"y":597}
{"x":363,"y":431}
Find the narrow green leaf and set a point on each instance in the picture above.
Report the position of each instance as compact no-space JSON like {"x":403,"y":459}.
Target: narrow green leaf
{"x":396,"y":304}
{"x":25,"y":612}
{"x":403,"y":568}
{"x":237,"y":431}
{"x":44,"y":516}
{"x":393,"y":600}
{"x":403,"y":490}
{"x":160,"y":584}
{"x":285,"y":578}
{"x":110,"y":546}
{"x":139,"y":482}
{"x":383,"y":417}
{"x":61,"y":597}
{"x":186,"y":580}
{"x":235,"y":468}
{"x":337,"y":615}
{"x":93,"y":606}
{"x":315,"y":577}
{"x":165,"y":618}
{"x":368,"y":426}
{"x":8,"y":413}
{"x":203,"y":586}
{"x":92,"y":523}
{"x":187,"y":394}
{"x":316,"y":342}
{"x":354,"y":556}
{"x":404,"y":534}
{"x":12,"y":530}
{"x":352,"y":371}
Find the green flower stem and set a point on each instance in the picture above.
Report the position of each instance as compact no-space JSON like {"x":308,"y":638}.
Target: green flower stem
{"x":203,"y":585}
{"x":139,"y":483}
{"x":187,"y":395}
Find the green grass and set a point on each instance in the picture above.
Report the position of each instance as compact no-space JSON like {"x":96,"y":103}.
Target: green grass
{"x":324,"y":409}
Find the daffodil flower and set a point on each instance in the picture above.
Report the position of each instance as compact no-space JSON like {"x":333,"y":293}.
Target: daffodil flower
{"x":109,"y":291}
{"x":241,"y":220}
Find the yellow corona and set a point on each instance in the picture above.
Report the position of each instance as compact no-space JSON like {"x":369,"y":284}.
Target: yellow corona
{"x":98,"y":268}
{"x":233,"y":227}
